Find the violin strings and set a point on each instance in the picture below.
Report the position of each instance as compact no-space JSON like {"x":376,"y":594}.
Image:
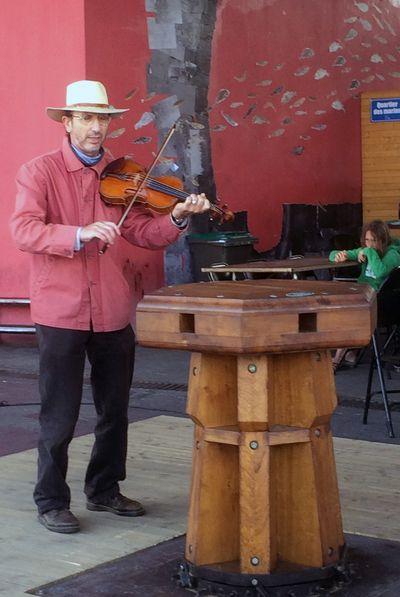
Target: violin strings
{"x":156,"y":185}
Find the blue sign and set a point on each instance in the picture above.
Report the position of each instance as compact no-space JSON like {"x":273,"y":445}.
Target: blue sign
{"x":385,"y":110}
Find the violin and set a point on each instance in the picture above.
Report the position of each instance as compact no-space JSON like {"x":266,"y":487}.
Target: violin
{"x":123,"y":178}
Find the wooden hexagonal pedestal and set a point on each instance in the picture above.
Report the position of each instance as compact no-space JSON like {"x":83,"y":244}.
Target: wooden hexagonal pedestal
{"x":264,"y":495}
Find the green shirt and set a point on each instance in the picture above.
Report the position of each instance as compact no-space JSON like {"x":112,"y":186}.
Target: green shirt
{"x":375,"y":269}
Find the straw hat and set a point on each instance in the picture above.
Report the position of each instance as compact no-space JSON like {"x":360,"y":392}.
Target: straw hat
{"x":85,"y":96}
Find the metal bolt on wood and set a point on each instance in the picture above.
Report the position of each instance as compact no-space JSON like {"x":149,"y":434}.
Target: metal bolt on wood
{"x":253,"y":445}
{"x":252,"y":368}
{"x":317,"y":432}
{"x":194,"y":370}
{"x":255,"y":561}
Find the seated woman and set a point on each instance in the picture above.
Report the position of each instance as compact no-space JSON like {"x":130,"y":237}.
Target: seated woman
{"x":378,"y":256}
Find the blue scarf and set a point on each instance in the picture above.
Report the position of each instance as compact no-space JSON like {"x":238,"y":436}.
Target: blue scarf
{"x":87,"y":159}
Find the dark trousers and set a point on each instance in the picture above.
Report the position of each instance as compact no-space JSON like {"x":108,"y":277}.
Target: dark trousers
{"x":62,"y":359}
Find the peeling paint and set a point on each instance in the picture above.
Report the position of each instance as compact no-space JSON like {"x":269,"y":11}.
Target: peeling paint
{"x":298,"y":150}
{"x":307,"y":53}
{"x":262,"y":63}
{"x":259,"y":120}
{"x":366,"y":24}
{"x":277,"y":90}
{"x":351,"y":34}
{"x":378,"y":22}
{"x":148,"y":97}
{"x":389,"y":26}
{"x":287,"y":121}
{"x":369,"y":79}
{"x":380,"y":77}
{"x":236,"y":104}
{"x":337,"y":105}
{"x":115,"y":134}
{"x":351,"y":20}
{"x":302,"y":71}
{"x":279,"y":66}
{"x":355,"y":84}
{"x":251,"y":109}
{"x":142,"y":140}
{"x":288,"y":96}
{"x":319,"y":127}
{"x":363,"y":6}
{"x":195,"y":153}
{"x":391,"y":57}
{"x":395,"y":74}
{"x":320,"y":74}
{"x":381,"y":39}
{"x":131,"y":93}
{"x":145,"y":119}
{"x":161,"y":35}
{"x":264,"y":83}
{"x":305,"y":137}
{"x":269,"y":105}
{"x":301,"y":113}
{"x":218,"y":128}
{"x":335,"y":46}
{"x":376,"y":58}
{"x":198,"y":126}
{"x":298,"y":103}
{"x":277,"y":133}
{"x":241,"y":78}
{"x":228,"y":119}
{"x":319,"y":112}
{"x":222,"y":95}
{"x":340,"y":60}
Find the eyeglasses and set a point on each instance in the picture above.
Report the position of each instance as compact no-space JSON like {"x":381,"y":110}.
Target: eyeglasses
{"x":89,"y":119}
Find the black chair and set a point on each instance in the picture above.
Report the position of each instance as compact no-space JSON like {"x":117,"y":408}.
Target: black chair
{"x":389,"y":319}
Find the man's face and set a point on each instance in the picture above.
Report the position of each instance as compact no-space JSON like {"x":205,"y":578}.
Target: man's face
{"x":87,"y":130}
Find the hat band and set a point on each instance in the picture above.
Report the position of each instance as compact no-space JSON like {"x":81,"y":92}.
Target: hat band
{"x":72,"y":106}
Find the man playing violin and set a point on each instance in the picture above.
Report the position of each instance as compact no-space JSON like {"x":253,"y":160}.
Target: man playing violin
{"x":81,"y":301}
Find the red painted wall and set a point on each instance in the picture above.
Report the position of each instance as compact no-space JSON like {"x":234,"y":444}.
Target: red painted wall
{"x":41,"y":47}
{"x":117,"y":54}
{"x":49,"y":47}
{"x":278,"y":137}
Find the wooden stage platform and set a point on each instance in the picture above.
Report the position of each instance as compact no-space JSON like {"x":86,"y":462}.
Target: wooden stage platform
{"x":159,"y":465}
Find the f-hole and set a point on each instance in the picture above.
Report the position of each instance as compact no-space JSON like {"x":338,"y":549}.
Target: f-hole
{"x":307,"y":322}
{"x":186,"y":323}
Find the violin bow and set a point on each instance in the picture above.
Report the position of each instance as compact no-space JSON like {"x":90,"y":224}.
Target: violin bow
{"x":142,"y":182}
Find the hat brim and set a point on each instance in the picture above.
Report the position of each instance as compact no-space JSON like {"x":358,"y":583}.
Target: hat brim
{"x":57,"y":113}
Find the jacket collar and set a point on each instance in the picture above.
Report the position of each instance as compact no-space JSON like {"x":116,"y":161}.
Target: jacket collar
{"x":73,"y":163}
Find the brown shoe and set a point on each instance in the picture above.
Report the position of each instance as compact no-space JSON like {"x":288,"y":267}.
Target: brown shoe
{"x":119,"y":504}
{"x":59,"y":521}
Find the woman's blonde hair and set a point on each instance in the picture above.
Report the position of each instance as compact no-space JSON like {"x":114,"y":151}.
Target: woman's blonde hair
{"x":381,"y":232}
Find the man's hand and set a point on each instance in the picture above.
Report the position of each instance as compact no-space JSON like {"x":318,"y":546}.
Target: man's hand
{"x":105,"y":231}
{"x":194,"y":204}
{"x":341,"y":256}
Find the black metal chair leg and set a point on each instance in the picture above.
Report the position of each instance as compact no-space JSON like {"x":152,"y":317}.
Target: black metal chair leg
{"x":388,"y":415}
{"x":369,"y":385}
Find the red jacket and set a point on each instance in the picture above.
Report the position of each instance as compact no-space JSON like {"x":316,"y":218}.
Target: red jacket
{"x":72,"y":289}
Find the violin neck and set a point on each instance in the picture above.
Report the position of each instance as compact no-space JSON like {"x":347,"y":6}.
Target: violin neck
{"x":180,"y":195}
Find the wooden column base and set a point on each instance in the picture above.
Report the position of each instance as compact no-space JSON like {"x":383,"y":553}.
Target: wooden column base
{"x":264,"y":489}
